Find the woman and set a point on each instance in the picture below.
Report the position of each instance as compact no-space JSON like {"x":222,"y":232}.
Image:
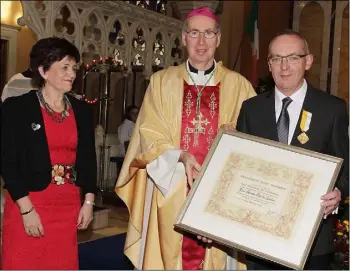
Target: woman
{"x":48,"y":154}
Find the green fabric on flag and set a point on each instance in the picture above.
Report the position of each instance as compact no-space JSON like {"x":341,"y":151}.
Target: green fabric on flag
{"x":252,"y":17}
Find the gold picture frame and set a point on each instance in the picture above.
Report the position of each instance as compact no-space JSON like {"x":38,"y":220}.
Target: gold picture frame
{"x":255,"y":195}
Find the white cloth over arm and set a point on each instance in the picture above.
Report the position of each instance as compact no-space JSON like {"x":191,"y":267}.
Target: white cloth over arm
{"x":166,"y":171}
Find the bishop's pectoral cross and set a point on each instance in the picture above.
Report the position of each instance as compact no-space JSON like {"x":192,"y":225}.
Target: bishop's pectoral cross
{"x":198,"y":128}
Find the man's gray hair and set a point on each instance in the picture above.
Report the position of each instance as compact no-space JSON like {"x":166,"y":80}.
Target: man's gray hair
{"x":289,"y":32}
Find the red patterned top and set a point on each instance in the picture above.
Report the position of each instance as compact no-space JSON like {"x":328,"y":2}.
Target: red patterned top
{"x":62,"y":138}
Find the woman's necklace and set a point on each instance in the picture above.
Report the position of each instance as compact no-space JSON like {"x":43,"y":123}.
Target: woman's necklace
{"x":56,"y":117}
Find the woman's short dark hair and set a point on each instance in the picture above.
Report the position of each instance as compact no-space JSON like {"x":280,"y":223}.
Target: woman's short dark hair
{"x":48,"y":51}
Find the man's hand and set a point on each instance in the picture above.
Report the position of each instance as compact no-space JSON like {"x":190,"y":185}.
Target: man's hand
{"x":204,"y":239}
{"x":227,"y":128}
{"x":191,"y":166}
{"x":330,"y":201}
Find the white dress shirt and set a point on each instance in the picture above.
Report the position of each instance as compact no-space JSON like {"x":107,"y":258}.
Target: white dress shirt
{"x":294,"y":109}
{"x":124,"y":134}
{"x":200,"y":78}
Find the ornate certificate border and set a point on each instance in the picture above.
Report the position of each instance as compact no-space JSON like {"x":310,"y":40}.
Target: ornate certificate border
{"x":244,"y":194}
{"x":263,"y":192}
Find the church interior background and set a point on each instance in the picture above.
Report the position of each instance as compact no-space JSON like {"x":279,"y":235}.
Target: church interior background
{"x":123,"y":43}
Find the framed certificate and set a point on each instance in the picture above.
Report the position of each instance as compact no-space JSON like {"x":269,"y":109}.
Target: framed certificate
{"x":260,"y":196}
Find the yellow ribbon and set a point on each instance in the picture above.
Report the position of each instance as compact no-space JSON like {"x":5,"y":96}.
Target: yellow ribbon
{"x":303,"y":121}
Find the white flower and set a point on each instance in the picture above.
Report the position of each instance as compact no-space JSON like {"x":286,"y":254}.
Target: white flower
{"x":59,"y":180}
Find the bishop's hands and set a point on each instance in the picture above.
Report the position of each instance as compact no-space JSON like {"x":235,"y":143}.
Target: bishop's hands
{"x":204,"y":239}
{"x":227,"y":128}
{"x":192,"y":167}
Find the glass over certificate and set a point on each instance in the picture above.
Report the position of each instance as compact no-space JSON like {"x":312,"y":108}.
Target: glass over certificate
{"x":260,"y":196}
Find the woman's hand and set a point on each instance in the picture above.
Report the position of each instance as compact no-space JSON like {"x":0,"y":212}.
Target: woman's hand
{"x":32,"y":224}
{"x":85,"y":216}
{"x":31,"y":219}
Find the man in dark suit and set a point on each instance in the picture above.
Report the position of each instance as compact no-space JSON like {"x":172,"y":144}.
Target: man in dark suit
{"x":276,"y":115}
{"x":0,"y":137}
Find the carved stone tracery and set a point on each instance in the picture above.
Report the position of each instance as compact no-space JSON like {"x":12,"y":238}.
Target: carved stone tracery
{"x":130,"y":34}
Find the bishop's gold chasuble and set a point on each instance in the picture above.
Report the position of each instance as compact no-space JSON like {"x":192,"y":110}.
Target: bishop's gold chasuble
{"x":172,"y":117}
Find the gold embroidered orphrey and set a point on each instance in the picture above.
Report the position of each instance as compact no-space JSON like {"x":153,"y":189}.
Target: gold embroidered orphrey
{"x":188,"y":103}
{"x":197,"y":128}
{"x":197,"y":123}
{"x":212,"y":105}
{"x":281,"y":224}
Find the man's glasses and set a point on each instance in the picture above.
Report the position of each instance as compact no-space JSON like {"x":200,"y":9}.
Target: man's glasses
{"x":209,"y":34}
{"x":291,"y":59}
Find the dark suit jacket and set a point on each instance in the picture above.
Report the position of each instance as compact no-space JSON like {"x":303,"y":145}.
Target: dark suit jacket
{"x":328,"y":134}
{"x":26,"y":164}
{"x":0,"y":135}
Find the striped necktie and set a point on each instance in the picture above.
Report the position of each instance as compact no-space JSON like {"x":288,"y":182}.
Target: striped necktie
{"x":283,"y":122}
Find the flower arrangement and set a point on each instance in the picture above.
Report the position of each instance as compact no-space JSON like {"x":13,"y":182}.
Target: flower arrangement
{"x":341,"y":239}
{"x":112,"y":63}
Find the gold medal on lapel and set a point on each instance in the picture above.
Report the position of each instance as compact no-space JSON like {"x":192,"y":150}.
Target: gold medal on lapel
{"x":303,"y":138}
{"x":304,"y":126}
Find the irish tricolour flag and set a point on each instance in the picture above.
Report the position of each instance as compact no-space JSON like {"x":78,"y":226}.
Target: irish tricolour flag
{"x":252,"y":28}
